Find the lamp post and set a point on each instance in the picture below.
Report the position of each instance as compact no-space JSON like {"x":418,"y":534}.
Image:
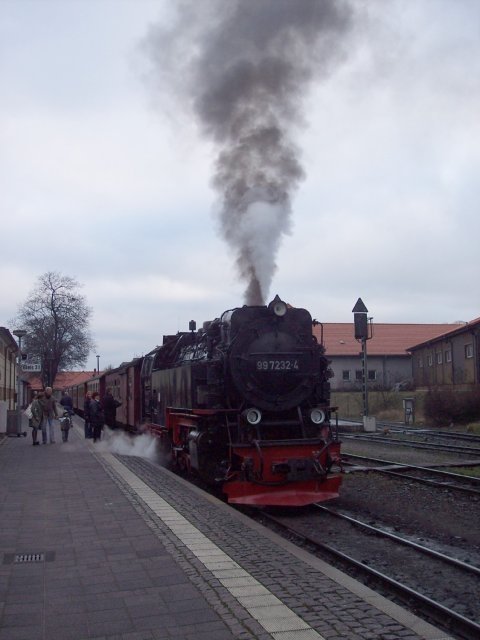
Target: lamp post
{"x":20,"y":333}
{"x":98,"y":364}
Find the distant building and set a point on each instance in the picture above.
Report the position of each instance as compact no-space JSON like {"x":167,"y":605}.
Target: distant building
{"x":63,"y":380}
{"x":389,"y":361}
{"x":449,"y":359}
{"x":8,"y":378}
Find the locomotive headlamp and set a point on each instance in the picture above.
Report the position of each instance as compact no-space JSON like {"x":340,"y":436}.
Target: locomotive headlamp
{"x":278,"y":307}
{"x":252,"y":415}
{"x":317,"y":416}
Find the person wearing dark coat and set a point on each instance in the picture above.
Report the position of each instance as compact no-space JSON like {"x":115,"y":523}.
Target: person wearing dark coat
{"x":67,"y":403}
{"x":110,"y":408}
{"x":97,"y":416}
{"x":86,"y":414}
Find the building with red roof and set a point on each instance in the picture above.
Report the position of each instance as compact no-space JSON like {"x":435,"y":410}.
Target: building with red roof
{"x":389,"y":361}
{"x":63,"y":380}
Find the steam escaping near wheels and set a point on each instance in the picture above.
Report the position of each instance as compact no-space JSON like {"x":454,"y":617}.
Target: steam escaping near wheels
{"x":144,"y":445}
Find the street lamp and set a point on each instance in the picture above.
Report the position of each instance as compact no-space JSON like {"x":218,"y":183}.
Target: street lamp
{"x":98,"y":364}
{"x":20,"y":333}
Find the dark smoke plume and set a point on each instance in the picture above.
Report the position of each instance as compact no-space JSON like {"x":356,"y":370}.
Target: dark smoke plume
{"x":243,"y":67}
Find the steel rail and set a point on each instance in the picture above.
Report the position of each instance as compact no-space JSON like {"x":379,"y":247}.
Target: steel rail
{"x":412,"y":443}
{"x":468,"y":629}
{"x":406,"y":465}
{"x":429,"y":482}
{"x":452,"y":435}
{"x":403,"y":428}
{"x":408,"y":543}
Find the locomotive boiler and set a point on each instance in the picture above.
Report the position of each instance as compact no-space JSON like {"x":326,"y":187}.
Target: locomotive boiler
{"x":244,"y":402}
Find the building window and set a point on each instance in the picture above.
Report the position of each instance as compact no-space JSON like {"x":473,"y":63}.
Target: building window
{"x":346,"y":375}
{"x":439,"y":357}
{"x":469,"y":351}
{"x":358,"y":375}
{"x":448,"y":356}
{"x":420,"y":363}
{"x":372,"y":374}
{"x":430,"y":360}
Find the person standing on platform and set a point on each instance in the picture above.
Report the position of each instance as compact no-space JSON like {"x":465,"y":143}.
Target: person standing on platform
{"x":86,"y":414}
{"x":37,"y":421}
{"x":110,"y":406}
{"x":49,"y":413}
{"x":67,"y":403}
{"x":97,"y":417}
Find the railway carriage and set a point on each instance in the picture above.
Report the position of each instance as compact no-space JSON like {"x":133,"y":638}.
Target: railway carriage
{"x":77,"y":392}
{"x":96,"y":383}
{"x":124,"y":381}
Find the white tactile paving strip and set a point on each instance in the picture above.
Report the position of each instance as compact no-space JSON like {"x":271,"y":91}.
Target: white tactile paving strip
{"x":276,"y":618}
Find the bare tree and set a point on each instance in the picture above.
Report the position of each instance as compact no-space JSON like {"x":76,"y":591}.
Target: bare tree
{"x":56,"y":318}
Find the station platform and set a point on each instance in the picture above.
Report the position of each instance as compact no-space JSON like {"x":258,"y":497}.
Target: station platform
{"x":100,"y":543}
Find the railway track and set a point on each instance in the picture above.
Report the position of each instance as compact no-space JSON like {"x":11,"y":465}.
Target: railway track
{"x":446,"y":435}
{"x":395,"y":427}
{"x":415,"y":444}
{"x":438,"y":477}
{"x":378,"y":531}
{"x":421,"y":577}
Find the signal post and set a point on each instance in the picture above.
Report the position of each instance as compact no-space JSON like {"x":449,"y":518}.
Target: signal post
{"x":363,"y":332}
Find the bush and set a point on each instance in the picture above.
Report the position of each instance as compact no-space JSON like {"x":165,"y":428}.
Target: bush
{"x":444,"y":406}
{"x":385,"y":405}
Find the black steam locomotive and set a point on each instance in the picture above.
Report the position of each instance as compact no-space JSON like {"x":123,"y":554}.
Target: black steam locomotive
{"x":245,"y":402}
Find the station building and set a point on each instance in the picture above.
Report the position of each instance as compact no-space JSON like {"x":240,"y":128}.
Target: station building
{"x":449,"y":359}
{"x":389,"y":361}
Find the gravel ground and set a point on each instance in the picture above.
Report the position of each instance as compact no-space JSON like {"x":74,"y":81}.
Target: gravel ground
{"x":443,"y":514}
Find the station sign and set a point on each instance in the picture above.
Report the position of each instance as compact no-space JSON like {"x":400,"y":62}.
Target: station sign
{"x":31,"y":367}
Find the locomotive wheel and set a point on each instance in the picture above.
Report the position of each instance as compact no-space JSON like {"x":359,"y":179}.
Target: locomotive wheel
{"x":182,"y":463}
{"x":165,"y":445}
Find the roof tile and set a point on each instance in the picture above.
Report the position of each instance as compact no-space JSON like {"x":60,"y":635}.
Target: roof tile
{"x":387,"y":339}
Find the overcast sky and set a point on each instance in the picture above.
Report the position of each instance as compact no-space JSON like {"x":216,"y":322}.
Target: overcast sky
{"x":106,"y":171}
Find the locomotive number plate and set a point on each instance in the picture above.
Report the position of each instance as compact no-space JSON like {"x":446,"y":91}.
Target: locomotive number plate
{"x":277,"y":365}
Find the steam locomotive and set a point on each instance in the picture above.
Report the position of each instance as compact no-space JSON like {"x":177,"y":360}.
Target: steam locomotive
{"x":243,"y":403}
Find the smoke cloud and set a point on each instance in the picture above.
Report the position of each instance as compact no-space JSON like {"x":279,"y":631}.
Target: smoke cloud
{"x":243,"y":67}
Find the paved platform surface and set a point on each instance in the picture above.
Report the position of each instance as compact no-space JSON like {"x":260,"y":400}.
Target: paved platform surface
{"x":99,"y":543}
